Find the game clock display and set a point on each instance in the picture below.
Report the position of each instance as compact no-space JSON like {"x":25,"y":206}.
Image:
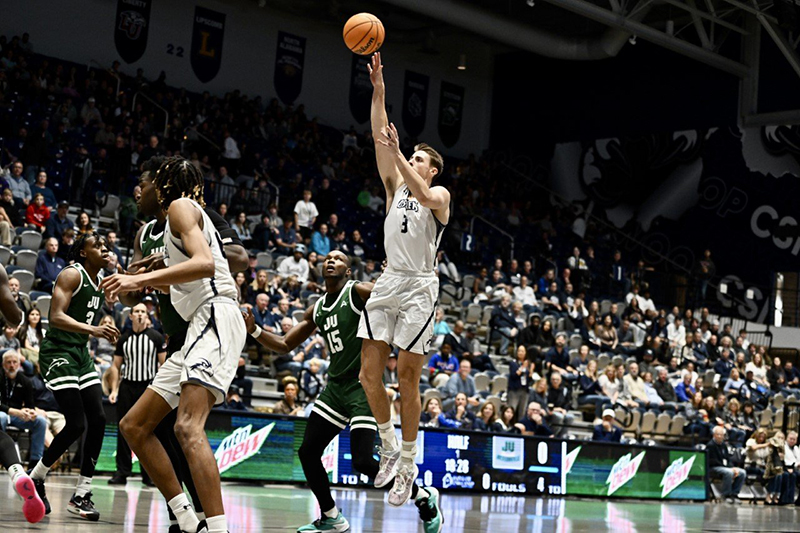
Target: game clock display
{"x":471,"y":461}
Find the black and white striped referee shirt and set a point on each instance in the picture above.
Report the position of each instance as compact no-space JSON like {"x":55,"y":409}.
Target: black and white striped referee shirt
{"x":139,"y":352}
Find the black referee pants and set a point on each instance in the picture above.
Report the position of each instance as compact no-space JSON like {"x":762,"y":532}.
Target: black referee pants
{"x":129,"y":393}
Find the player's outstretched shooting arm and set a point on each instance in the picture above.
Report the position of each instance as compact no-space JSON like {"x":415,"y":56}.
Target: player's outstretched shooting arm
{"x":184,"y":220}
{"x":387,"y":167}
{"x":435,"y":198}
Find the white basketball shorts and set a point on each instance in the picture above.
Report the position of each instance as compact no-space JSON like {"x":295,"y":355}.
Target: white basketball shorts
{"x":210,"y":355}
{"x":400,"y":311}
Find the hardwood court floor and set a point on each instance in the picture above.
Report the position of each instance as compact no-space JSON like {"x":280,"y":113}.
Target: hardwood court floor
{"x":136,"y":508}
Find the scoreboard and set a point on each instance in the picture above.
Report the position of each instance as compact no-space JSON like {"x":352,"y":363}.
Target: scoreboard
{"x":472,"y":461}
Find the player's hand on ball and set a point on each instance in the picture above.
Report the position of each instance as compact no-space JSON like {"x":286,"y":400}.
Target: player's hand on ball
{"x":107,"y":331}
{"x":375,"y":68}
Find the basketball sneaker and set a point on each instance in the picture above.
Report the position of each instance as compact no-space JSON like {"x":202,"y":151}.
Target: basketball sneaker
{"x":39,"y":484}
{"x":83,"y":507}
{"x":429,"y":511}
{"x":388,"y":466}
{"x":401,"y":490}
{"x":33,"y":508}
{"x":325,"y":523}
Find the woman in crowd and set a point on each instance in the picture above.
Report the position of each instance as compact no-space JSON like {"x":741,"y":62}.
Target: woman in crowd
{"x":607,"y":335}
{"x":697,"y":419}
{"x":487,"y":417}
{"x":433,"y":417}
{"x":31,"y":335}
{"x":588,"y":332}
{"x":731,"y":419}
{"x":749,"y":420}
{"x":245,"y":293}
{"x":546,"y":340}
{"x":538,"y":394}
{"x":260,"y":285}
{"x":479,"y":286}
{"x":506,"y":422}
{"x":591,"y":391}
{"x":779,"y":491}
{"x":520,"y":372}
{"x":756,"y":452}
{"x":83,"y":224}
{"x":242,"y":229}
{"x":759,"y":369}
{"x":734,"y":384}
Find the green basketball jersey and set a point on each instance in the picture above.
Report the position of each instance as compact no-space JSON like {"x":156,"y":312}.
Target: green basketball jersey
{"x":152,"y":242}
{"x":338,"y":323}
{"x":87,"y":300}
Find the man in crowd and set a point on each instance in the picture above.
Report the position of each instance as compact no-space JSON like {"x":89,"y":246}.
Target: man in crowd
{"x":17,"y":407}
{"x":719,"y":461}
{"x":607,"y":431}
{"x":305,"y":215}
{"x":460,"y":413}
{"x":534,"y":424}
{"x":461,"y":381}
{"x":504,"y":326}
{"x":557,"y":359}
{"x":297,"y":265}
{"x":49,"y":265}
{"x":22,"y":300}
{"x":561,"y":399}
{"x":57,"y":224}
{"x":20,"y":188}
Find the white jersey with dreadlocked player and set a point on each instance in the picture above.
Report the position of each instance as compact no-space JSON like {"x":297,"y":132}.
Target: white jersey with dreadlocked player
{"x":400,"y":309}
{"x":216,"y":335}
{"x":187,"y":297}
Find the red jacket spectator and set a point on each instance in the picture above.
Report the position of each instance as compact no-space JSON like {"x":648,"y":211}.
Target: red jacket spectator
{"x":37,"y":213}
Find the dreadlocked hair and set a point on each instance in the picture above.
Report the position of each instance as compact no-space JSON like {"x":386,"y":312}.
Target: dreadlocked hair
{"x":178,"y":178}
{"x":78,"y":246}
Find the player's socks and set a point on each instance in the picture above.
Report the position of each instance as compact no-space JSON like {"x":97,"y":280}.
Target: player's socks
{"x":408,"y":452}
{"x":16,"y":471}
{"x":217,"y":524}
{"x":184,"y":513}
{"x":39,"y":471}
{"x":333,"y":513}
{"x":388,"y":436}
{"x":84,"y":486}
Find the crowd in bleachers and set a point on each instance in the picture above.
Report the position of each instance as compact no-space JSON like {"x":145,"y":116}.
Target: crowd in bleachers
{"x":567,"y":341}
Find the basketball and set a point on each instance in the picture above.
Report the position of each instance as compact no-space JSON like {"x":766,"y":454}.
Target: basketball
{"x":363,"y":33}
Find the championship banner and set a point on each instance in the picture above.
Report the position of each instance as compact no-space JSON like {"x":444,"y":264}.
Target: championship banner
{"x":130,"y":32}
{"x":207,"y":36}
{"x":415,"y":102}
{"x":451,"y":106}
{"x":360,"y":89}
{"x":289,"y":66}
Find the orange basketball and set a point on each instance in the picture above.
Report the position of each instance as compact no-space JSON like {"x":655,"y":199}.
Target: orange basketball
{"x":363,"y":33}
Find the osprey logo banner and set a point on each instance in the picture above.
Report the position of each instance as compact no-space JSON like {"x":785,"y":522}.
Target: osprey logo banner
{"x":360,"y":89}
{"x":451,"y":104}
{"x":130,"y":32}
{"x":289,"y":61}
{"x":415,"y":102}
{"x":207,"y":36}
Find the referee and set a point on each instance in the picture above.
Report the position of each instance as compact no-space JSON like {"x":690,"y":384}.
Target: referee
{"x":140,"y":351}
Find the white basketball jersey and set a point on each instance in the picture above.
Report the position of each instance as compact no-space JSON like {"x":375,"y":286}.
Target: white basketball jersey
{"x":411,"y":234}
{"x":187,"y":297}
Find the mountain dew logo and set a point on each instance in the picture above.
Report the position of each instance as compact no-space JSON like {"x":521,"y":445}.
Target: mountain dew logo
{"x":240,"y":446}
{"x":570,"y":458}
{"x":623,"y":471}
{"x":677,"y":473}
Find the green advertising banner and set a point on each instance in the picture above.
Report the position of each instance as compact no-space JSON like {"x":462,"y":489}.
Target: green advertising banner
{"x":623,"y":471}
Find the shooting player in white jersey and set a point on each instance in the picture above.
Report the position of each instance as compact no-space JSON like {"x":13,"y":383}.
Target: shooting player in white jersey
{"x":400,"y":311}
{"x":195,"y":379}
